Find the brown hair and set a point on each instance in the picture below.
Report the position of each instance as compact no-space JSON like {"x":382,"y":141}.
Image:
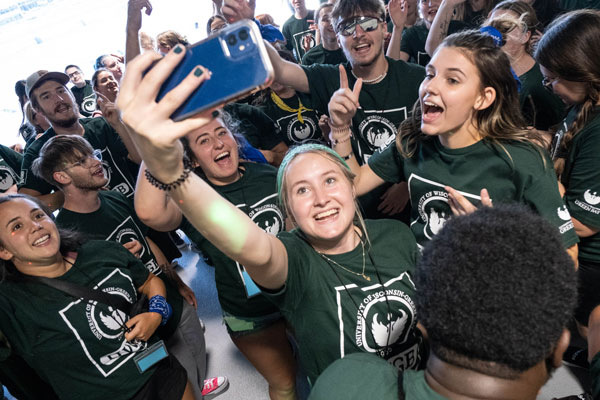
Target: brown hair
{"x":56,"y":153}
{"x":348,"y":8}
{"x":171,"y":39}
{"x":569,"y":49}
{"x":500,"y":122}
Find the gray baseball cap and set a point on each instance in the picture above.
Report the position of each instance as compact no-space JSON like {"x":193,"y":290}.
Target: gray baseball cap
{"x":37,"y":78}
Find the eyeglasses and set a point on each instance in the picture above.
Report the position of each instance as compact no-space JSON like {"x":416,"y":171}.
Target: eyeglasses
{"x":548,"y":84}
{"x":367,"y":24}
{"x":85,"y":161}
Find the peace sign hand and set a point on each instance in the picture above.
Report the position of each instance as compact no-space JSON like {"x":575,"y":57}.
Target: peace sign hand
{"x":344,"y":102}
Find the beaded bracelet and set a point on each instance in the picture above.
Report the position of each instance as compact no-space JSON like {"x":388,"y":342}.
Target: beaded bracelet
{"x":335,"y":141}
{"x":187,"y":169}
{"x":158,"y":304}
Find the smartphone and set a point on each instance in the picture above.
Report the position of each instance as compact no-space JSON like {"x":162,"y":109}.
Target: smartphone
{"x":238,"y":60}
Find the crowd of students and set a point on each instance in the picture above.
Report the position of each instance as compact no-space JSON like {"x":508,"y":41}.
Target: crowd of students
{"x":466,"y":132}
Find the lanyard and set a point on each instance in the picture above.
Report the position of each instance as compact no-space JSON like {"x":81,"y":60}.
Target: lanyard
{"x":279,"y":103}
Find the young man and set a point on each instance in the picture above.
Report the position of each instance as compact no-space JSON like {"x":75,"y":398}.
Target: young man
{"x":328,"y":51}
{"x":70,"y":163}
{"x":297,"y":31}
{"x":495,"y":328}
{"x":82,"y":90}
{"x":50,"y":97}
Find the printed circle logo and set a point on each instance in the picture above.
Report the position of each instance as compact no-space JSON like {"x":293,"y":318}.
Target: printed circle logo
{"x":434,"y":211}
{"x":378,"y":131}
{"x":88,"y":104}
{"x":299,"y":132}
{"x":107,"y":320}
{"x":591,"y":198}
{"x":380,"y":329}
{"x":126,"y":235}
{"x":7,"y":180}
{"x":563,"y":213}
{"x":106,"y":169}
{"x":269,"y":218}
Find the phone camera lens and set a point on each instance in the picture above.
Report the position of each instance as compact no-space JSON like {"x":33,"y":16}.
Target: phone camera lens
{"x":243,"y":35}
{"x":231,"y":40}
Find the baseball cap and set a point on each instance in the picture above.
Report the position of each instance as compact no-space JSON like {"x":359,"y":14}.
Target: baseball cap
{"x":37,"y":78}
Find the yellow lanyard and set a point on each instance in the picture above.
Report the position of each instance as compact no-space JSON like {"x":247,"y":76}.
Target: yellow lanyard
{"x":279,"y":103}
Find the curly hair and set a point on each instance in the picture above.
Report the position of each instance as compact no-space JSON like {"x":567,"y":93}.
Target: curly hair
{"x":567,"y":48}
{"x":502,"y":121}
{"x":69,"y":240}
{"x":495,"y":290}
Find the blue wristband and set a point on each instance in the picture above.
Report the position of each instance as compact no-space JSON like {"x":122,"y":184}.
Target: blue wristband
{"x":158,"y":304}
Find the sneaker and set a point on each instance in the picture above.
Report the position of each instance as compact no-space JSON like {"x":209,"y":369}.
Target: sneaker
{"x":576,"y":357}
{"x":215,"y":386}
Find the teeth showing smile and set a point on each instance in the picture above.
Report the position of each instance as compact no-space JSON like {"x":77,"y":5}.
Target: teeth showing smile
{"x":361,"y":46}
{"x":41,"y":240}
{"x":222,"y":156}
{"x":429,"y":107}
{"x":326,"y":214}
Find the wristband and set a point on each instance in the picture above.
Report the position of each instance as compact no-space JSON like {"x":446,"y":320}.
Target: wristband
{"x":158,"y":304}
{"x":187,"y":169}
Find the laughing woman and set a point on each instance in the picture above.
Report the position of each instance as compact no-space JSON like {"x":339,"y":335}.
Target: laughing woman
{"x":254,"y":324}
{"x":344,"y":286}
{"x":464,"y":144}
{"x":83,"y":349}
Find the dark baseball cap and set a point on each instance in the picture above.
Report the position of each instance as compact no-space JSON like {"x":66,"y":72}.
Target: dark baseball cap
{"x":37,"y":78}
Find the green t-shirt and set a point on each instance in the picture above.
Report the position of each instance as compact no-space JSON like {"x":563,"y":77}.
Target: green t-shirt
{"x":513,"y":172}
{"x":581,"y":178}
{"x":595,"y":374}
{"x":102,"y":137}
{"x":85,"y":98}
{"x":540,"y":107}
{"x":569,"y":5}
{"x":334,"y":312}
{"x":75,"y":345}
{"x":10,"y":168}
{"x":414,"y":38}
{"x":117,"y":221}
{"x":320,"y":55}
{"x":254,"y":125}
{"x":291,"y":130}
{"x":255,"y":194}
{"x":298,"y":35}
{"x":416,"y":388}
{"x":384,"y":105}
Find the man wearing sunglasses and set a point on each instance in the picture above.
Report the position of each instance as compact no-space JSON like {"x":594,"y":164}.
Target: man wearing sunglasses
{"x":389,"y":90}
{"x":50,"y":97}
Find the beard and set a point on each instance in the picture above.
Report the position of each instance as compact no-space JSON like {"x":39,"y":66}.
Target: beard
{"x":64,"y":123}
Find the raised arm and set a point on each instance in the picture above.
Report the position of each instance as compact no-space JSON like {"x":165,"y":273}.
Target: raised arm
{"x":342,"y":107}
{"x":134,"y":24}
{"x":157,"y":138}
{"x":440,"y":24}
{"x":154,"y":207}
{"x":398,"y":10}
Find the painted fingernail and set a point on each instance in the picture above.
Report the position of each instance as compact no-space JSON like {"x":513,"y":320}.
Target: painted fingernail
{"x":198,"y":72}
{"x":215,"y":114}
{"x":178,"y":49}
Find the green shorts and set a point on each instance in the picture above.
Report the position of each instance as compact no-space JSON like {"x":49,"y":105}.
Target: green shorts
{"x":241,"y":326}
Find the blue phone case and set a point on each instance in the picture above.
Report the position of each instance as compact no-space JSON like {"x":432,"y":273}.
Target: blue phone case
{"x":239,"y":66}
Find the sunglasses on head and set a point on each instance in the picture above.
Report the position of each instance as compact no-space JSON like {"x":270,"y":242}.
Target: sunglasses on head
{"x":367,"y":24}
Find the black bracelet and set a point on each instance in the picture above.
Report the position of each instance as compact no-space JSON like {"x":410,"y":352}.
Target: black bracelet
{"x":167,"y":187}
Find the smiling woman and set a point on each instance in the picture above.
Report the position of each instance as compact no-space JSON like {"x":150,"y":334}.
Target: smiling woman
{"x":351,"y":280}
{"x":96,"y":341}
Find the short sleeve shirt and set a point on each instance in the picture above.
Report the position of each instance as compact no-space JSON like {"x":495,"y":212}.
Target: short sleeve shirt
{"x":298,"y":35}
{"x":102,"y":137}
{"x":260,"y":130}
{"x":335,"y":311}
{"x":541,"y":108}
{"x":255,"y":194}
{"x":414,"y":38}
{"x":77,"y":346}
{"x":581,"y":178}
{"x":513,"y":172}
{"x":383,"y":106}
{"x":85,"y":98}
{"x":320,"y":55}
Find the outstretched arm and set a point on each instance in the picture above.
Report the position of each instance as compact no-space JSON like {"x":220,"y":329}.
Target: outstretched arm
{"x":398,"y":10}
{"x":439,"y":26}
{"x":157,"y":138}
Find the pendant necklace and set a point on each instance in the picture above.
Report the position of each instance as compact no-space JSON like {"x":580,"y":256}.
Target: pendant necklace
{"x":374,"y":80}
{"x":348,"y":270}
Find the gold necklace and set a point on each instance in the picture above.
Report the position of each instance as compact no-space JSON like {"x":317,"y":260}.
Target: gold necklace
{"x":346,"y":269}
